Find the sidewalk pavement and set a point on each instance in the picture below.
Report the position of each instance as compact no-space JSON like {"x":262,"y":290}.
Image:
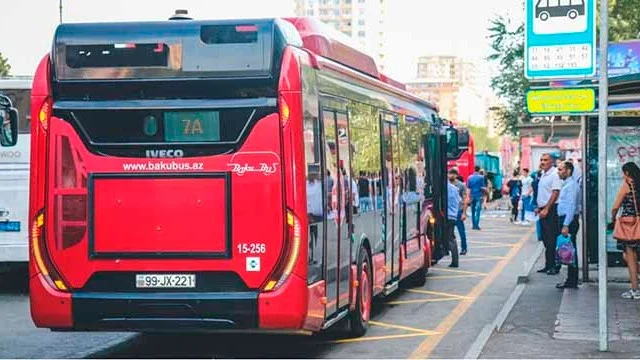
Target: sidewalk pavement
{"x":551,"y":323}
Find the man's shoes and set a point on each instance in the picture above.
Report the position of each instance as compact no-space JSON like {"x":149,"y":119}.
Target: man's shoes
{"x":566,"y":286}
{"x":463,"y":252}
{"x":453,"y":265}
{"x":552,"y":271}
{"x":543,"y":270}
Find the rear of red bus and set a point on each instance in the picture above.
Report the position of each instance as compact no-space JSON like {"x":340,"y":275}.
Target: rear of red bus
{"x":162,"y":185}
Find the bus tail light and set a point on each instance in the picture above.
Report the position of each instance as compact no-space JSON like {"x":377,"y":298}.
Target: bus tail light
{"x":285,"y":112}
{"x":45,"y":113}
{"x":289,"y":260}
{"x":70,"y":195}
{"x":40,"y":256}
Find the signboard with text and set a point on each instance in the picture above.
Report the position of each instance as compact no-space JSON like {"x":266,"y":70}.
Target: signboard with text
{"x":560,"y":39}
{"x":565,"y":101}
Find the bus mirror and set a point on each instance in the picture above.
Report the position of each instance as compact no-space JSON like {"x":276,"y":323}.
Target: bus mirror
{"x":8,"y":122}
{"x":463,"y":139}
{"x":452,"y":142}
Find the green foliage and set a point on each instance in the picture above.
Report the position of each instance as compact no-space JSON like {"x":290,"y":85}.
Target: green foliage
{"x":482,"y":140}
{"x":507,"y":46}
{"x":5,"y":68}
{"x":624,"y":19}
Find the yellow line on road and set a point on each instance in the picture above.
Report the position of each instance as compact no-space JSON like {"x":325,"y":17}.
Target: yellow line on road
{"x":418,"y":301}
{"x":402,"y":327}
{"x":492,"y":243}
{"x":483,"y":257}
{"x":438,"y":293}
{"x":491,"y":246}
{"x":424,"y":350}
{"x":376,"y":338}
{"x":460,"y":271}
{"x":438,"y":277}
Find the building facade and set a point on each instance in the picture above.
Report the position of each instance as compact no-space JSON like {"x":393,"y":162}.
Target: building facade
{"x":451,"y":82}
{"x":362,"y":20}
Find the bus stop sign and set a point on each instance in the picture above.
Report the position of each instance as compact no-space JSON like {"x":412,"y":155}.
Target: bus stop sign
{"x":560,"y":39}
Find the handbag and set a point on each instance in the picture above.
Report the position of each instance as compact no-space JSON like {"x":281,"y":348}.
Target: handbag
{"x":627,"y":228}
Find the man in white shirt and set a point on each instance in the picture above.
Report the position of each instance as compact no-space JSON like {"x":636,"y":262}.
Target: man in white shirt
{"x":548,"y":192}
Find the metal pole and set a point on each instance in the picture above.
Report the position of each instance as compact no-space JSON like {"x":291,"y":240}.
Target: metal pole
{"x":603,"y":93}
{"x":583,"y":215}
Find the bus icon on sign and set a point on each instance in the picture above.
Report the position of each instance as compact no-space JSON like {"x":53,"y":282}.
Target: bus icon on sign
{"x":559,"y":16}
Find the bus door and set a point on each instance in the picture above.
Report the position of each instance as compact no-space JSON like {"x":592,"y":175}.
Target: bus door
{"x":391,"y":189}
{"x":338,"y":183}
{"x":435,"y":162}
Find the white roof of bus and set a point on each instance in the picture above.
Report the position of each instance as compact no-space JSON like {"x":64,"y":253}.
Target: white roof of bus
{"x":16,"y":82}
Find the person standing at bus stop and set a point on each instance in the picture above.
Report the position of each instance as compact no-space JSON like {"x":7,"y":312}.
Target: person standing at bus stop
{"x":548,"y":191}
{"x":568,"y":217}
{"x":476,"y":185}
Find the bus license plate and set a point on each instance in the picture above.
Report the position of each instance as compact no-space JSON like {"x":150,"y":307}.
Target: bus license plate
{"x":10,"y":226}
{"x":165,"y":281}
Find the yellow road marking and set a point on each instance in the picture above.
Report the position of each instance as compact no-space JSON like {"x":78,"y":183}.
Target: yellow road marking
{"x":401,"y":327}
{"x":490,"y":247}
{"x":376,"y":338}
{"x":426,"y":347}
{"x":483,"y":257}
{"x":437,"y":277}
{"x":460,"y":271}
{"x":417,"y":301}
{"x":492,"y":243}
{"x":480,"y":259}
{"x":429,"y":292}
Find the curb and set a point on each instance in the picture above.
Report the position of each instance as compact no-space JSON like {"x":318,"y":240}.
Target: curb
{"x":481,"y":341}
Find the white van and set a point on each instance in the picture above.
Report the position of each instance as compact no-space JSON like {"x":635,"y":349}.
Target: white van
{"x":14,"y":177}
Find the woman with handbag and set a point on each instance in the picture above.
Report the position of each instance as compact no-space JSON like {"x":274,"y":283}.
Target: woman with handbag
{"x":627,"y":227}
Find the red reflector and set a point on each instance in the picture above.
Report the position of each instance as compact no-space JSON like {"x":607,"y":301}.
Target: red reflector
{"x":159,"y":48}
{"x":246,"y":28}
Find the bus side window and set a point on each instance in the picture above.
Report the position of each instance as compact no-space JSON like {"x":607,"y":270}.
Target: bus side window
{"x":316,"y":193}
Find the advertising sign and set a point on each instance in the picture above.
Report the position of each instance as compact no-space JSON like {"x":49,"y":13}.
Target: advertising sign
{"x":623,"y":146}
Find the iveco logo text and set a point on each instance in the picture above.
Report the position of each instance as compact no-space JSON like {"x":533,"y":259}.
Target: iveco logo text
{"x":171,"y":153}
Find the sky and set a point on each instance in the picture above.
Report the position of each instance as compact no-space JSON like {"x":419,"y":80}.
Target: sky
{"x":417,"y":27}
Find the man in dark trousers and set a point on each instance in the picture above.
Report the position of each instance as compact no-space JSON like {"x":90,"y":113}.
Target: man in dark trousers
{"x":548,"y":191}
{"x":568,"y":217}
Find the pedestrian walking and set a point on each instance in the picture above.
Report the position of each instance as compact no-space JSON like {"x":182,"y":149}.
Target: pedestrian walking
{"x":514,"y":186}
{"x":458,"y":181}
{"x":527,"y":193}
{"x":568,"y":217}
{"x":477,"y":188}
{"x":627,"y":226}
{"x":548,"y":191}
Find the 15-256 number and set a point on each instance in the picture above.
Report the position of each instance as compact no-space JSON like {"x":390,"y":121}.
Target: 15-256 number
{"x":254,"y":248}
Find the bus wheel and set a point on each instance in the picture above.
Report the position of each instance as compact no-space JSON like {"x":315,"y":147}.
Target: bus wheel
{"x":359,"y":318}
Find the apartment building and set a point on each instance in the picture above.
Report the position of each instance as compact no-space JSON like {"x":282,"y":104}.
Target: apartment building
{"x":362,"y":20}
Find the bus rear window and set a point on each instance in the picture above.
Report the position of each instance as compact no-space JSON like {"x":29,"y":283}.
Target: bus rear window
{"x":117,"y":55}
{"x":229,"y":34}
{"x":164,"y":126}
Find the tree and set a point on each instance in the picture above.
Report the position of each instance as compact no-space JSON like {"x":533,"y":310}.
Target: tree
{"x":4,"y":66}
{"x":482,"y":140}
{"x":507,"y":45}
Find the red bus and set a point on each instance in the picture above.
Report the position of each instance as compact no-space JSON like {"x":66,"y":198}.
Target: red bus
{"x":204,"y":176}
{"x":465,"y":159}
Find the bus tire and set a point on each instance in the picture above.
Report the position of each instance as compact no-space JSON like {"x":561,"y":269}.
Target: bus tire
{"x":359,"y":318}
